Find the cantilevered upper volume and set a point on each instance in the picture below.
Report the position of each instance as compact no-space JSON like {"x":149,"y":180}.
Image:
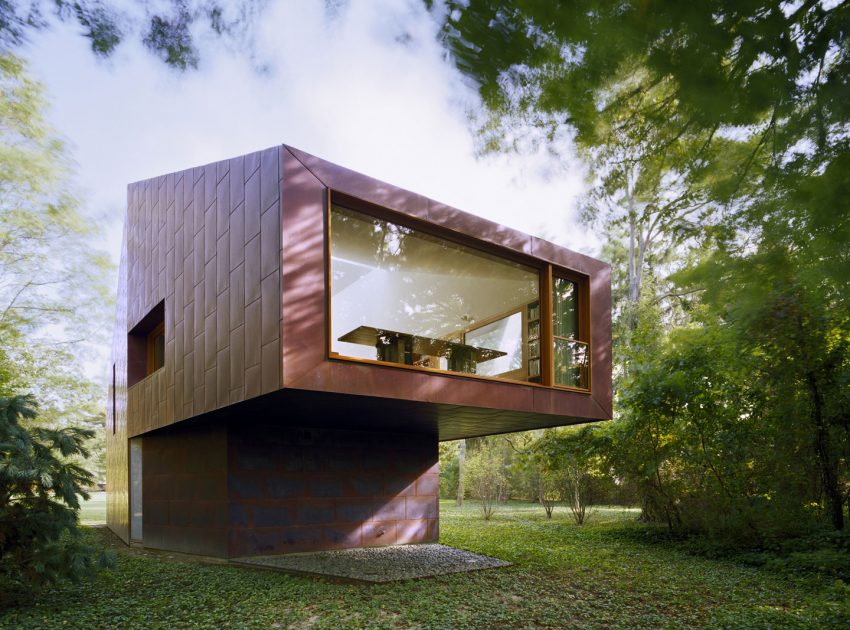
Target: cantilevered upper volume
{"x":275,"y":308}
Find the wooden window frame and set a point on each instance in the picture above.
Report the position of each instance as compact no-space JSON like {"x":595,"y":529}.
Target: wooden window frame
{"x":545,"y":271}
{"x":158,"y":331}
{"x":582,"y":334}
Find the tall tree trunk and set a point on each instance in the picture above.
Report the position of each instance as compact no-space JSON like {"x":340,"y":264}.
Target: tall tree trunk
{"x":461,"y":458}
{"x":634,"y":270}
{"x":828,"y":467}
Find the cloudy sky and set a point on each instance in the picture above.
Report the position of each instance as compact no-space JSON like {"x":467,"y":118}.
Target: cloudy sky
{"x":342,"y":87}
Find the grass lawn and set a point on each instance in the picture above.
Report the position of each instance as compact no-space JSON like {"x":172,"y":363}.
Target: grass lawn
{"x":609,"y":573}
{"x":93,"y":511}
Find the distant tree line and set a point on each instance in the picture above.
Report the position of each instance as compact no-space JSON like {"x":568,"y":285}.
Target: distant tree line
{"x":552,"y":467}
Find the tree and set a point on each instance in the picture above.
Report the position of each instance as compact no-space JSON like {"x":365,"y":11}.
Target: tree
{"x":53,"y":301}
{"x":169,"y":30}
{"x":449,"y":473}
{"x":485,"y":474}
{"x":54,"y":308}
{"x":757,"y":96}
{"x":548,"y":490}
{"x":532,"y":464}
{"x":569,"y":460}
{"x":461,"y":461}
{"x":577,"y":491}
{"x":39,"y":498}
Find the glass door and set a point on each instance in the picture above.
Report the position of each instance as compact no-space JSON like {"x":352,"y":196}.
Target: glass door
{"x":136,"y":489}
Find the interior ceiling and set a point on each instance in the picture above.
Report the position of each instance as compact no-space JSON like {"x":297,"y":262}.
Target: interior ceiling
{"x":413,"y":277}
{"x":355,"y":240}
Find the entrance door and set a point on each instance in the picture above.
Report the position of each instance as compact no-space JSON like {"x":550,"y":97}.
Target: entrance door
{"x":136,"y":489}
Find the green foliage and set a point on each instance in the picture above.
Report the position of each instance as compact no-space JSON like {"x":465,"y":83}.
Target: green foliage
{"x":570,"y":468}
{"x":39,"y":500}
{"x":54,"y":309}
{"x":548,"y":491}
{"x":169,"y":30}
{"x":717,"y":133}
{"x":764,"y":68}
{"x":449,"y":469}
{"x":485,"y":473}
{"x":611,"y":572}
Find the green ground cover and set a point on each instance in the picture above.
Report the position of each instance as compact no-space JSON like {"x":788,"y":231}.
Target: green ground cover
{"x":609,"y":573}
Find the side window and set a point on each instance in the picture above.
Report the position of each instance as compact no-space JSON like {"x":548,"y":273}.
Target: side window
{"x":114,"y":414}
{"x":569,"y":353}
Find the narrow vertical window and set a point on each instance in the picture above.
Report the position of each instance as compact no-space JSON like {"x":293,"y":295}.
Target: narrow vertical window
{"x":533,"y":337}
{"x":156,"y":348}
{"x":114,"y":415}
{"x":570,"y":354}
{"x":136,"y":488}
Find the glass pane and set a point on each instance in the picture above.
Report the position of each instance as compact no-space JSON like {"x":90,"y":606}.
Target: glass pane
{"x":136,"y":489}
{"x":403,"y":296}
{"x":564,"y":308}
{"x":504,"y":333}
{"x":570,"y":363}
{"x":570,"y":360}
{"x":158,"y":351}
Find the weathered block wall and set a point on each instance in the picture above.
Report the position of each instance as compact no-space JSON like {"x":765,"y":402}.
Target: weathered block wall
{"x":184,"y":496}
{"x":304,"y":489}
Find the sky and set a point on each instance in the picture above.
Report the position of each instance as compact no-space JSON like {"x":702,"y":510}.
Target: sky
{"x":343,"y":87}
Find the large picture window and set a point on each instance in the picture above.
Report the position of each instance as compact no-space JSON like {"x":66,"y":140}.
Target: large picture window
{"x":402,"y":296}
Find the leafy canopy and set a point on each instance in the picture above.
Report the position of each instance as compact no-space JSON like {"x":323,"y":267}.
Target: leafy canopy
{"x":169,"y":30}
{"x":727,"y":124}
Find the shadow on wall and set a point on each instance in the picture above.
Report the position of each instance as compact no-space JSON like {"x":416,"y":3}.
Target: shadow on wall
{"x":303,"y":489}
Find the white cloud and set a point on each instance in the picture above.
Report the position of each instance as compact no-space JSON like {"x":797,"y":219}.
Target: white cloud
{"x":343,"y":88}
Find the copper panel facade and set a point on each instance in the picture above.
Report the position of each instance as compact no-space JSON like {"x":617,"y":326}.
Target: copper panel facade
{"x":206,"y":241}
{"x":308,"y":182}
{"x":117,"y":453}
{"x":238,"y":253}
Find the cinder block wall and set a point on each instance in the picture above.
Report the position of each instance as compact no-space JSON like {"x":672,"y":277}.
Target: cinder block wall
{"x":302,"y":489}
{"x":184,"y":493}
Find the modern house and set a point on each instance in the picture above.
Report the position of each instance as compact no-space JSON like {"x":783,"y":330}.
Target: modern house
{"x":293,"y":339}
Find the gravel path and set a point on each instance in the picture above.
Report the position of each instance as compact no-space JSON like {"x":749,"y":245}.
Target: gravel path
{"x":380,"y":564}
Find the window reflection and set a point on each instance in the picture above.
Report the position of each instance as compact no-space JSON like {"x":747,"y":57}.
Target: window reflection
{"x":505,"y":333}
{"x":570,"y":355}
{"x":402,"y":296}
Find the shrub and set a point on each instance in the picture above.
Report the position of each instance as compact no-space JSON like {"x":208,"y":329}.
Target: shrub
{"x":485,"y":476}
{"x":548,"y":491}
{"x":40,"y":541}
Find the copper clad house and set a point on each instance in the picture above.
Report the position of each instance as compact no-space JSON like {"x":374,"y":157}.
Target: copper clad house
{"x":293,"y":339}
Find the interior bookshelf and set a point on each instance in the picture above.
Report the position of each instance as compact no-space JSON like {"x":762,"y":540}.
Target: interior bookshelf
{"x":533,"y":337}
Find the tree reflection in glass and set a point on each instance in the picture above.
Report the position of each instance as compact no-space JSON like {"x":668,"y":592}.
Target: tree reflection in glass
{"x":404,"y":296}
{"x":570,"y":355}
